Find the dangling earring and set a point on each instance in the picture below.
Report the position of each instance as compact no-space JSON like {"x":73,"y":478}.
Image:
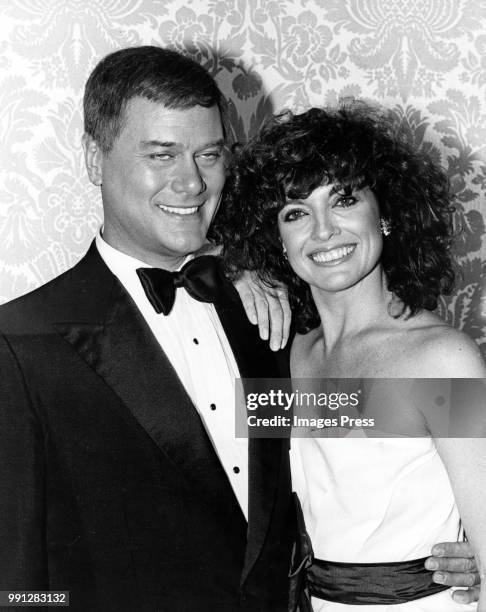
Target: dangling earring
{"x":385,"y":227}
{"x":284,"y":251}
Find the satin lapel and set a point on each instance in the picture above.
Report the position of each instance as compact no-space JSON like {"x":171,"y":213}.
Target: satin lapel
{"x":254,"y":360}
{"x":253,"y":356}
{"x":123,"y":351}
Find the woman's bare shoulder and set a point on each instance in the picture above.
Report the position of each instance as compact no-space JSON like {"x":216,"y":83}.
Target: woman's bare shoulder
{"x":439,"y":350}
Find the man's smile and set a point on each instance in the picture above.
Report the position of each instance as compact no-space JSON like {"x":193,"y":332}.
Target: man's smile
{"x":179,"y":210}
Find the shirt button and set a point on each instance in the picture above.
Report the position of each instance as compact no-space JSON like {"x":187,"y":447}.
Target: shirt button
{"x":195,"y":340}
{"x":236,"y":469}
{"x":212,"y":406}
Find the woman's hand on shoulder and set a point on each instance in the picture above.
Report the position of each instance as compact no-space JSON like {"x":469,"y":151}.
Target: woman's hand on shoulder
{"x":267,"y":307}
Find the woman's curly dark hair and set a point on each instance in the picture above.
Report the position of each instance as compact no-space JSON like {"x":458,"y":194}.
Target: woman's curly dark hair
{"x":354,"y":146}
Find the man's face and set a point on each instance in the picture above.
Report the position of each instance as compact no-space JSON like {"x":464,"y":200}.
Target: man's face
{"x":162,"y":180}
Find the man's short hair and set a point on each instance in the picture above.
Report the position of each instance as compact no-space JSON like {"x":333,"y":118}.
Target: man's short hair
{"x":157,"y":74}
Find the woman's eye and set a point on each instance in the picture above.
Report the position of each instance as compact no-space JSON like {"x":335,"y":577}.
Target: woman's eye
{"x":292,"y":215}
{"x":346,"y":201}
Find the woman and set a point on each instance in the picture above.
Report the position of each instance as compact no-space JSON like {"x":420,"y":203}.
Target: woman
{"x":337,"y":205}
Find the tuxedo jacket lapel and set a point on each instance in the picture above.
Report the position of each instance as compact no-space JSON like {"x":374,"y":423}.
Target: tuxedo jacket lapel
{"x":110,"y":334}
{"x":254,"y":360}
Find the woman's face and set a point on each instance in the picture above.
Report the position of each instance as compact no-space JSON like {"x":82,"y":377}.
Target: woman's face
{"x":332,"y":238}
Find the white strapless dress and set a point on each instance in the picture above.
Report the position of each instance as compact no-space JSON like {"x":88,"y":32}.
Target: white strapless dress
{"x":372,"y":500}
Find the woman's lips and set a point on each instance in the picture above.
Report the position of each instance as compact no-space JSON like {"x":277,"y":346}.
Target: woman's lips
{"x":334,"y":255}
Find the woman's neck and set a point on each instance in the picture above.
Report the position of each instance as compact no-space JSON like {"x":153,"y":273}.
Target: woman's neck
{"x":345,"y":314}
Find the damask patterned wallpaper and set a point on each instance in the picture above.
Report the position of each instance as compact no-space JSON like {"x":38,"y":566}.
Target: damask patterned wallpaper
{"x":425,"y":59}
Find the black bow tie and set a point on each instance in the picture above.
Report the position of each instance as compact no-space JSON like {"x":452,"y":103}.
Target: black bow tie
{"x":201,"y":277}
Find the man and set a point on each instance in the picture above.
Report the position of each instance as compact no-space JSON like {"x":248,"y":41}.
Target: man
{"x":121,"y":479}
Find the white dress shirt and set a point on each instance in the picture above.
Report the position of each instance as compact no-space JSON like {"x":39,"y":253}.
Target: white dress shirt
{"x":193,"y":339}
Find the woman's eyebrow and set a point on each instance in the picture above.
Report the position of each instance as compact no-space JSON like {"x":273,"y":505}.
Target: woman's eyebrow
{"x":342,"y":189}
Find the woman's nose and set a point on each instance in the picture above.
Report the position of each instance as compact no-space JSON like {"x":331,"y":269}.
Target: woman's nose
{"x":325,"y":226}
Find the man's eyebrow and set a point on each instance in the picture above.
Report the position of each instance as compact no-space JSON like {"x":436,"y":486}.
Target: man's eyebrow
{"x":216,"y":143}
{"x":147,"y":144}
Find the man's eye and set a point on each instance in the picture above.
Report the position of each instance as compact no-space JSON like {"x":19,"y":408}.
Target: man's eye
{"x":210,"y":156}
{"x":161,"y":156}
{"x":293,"y":215}
{"x":346,"y":201}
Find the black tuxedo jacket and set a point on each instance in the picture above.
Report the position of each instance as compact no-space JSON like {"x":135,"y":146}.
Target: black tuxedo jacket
{"x":109,"y":485}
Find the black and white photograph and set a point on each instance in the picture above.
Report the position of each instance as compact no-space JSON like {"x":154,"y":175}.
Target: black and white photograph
{"x":243,"y":305}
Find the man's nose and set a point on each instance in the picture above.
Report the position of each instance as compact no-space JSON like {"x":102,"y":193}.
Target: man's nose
{"x":325,"y":226}
{"x":188,"y":179}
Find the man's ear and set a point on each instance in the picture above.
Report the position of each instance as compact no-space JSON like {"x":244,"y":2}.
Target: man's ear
{"x":93,"y":157}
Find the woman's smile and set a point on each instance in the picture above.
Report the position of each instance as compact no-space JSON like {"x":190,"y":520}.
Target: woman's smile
{"x":334,"y":256}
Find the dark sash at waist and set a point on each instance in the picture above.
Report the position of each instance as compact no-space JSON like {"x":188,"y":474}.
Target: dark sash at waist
{"x":371,"y":583}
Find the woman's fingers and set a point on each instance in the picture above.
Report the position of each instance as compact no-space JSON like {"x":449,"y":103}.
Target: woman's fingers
{"x":266,"y":307}
{"x":247,"y":298}
{"x":283,"y":299}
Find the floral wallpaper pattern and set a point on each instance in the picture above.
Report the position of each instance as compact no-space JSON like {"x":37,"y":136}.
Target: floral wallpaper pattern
{"x":425,"y":59}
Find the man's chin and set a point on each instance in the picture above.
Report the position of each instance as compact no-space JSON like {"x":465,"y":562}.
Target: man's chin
{"x":183,"y":249}
{"x":187,"y":245}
